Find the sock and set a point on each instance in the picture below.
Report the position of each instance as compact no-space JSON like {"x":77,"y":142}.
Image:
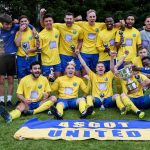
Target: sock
{"x":15,"y":114}
{"x":9,"y":97}
{"x":1,"y":98}
{"x":60,"y":108}
{"x":46,"y":105}
{"x":89,"y":100}
{"x":82,"y":105}
{"x":127,"y":101}
{"x":119,"y":102}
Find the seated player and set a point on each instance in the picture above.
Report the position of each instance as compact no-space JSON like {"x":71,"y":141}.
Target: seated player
{"x":132,"y":88}
{"x":102,"y":87}
{"x":68,"y":88}
{"x":34,"y":95}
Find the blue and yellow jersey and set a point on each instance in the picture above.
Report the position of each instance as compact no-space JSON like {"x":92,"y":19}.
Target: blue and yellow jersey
{"x":101,"y":84}
{"x":69,"y":87}
{"x":33,"y":89}
{"x":90,"y":34}
{"x":132,"y":38}
{"x":68,"y":36}
{"x":106,"y":37}
{"x":49,"y":40}
{"x":27,"y":42}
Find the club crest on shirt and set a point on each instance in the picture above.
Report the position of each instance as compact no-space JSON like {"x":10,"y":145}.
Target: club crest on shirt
{"x":134,"y":35}
{"x":56,"y":35}
{"x":96,"y":30}
{"x":74,"y":83}
{"x":39,"y":86}
{"x":74,"y":31}
{"x":106,"y":79}
{"x":30,"y":37}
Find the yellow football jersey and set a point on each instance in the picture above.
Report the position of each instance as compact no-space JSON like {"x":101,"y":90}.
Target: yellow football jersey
{"x":1,"y":25}
{"x":33,"y":89}
{"x":68,"y":36}
{"x":106,"y":37}
{"x":49,"y":40}
{"x":101,"y":84}
{"x":27,"y":42}
{"x":137,"y":61}
{"x":140,"y":90}
{"x":90,"y":34}
{"x":69,"y":87}
{"x":132,"y":38}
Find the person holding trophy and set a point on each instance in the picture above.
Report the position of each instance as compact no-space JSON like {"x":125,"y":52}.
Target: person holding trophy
{"x":71,"y":38}
{"x":26,"y":43}
{"x":49,"y":42}
{"x":68,"y":87}
{"x":132,"y":86}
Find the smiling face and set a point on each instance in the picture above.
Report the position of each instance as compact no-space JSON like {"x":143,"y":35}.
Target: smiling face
{"x":130,"y":21}
{"x":24,"y":22}
{"x":36,"y":71}
{"x":69,"y":20}
{"x":70,"y":70}
{"x":109,"y":23}
{"x":142,"y":53}
{"x":48,"y":22}
{"x":100,"y":68}
{"x":91,"y":17}
{"x":7,"y":26}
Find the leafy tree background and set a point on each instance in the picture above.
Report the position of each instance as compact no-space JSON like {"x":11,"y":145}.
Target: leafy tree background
{"x":116,"y":8}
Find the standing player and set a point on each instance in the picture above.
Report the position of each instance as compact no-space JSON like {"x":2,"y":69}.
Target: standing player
{"x":33,"y":93}
{"x":130,"y":39}
{"x":145,"y":35}
{"x":25,"y":42}
{"x":106,"y":42}
{"x":71,"y":38}
{"x":49,"y":41}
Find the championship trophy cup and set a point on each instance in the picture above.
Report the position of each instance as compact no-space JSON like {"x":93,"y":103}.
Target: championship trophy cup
{"x":52,"y":73}
{"x":125,"y":74}
{"x":72,"y":47}
{"x":107,"y":49}
{"x":121,"y":33}
{"x":102,"y":101}
{"x":37,"y":38}
{"x":25,"y":48}
{"x":1,"y":46}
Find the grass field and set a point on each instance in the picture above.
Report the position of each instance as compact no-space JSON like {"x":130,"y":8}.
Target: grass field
{"x":7,"y":142}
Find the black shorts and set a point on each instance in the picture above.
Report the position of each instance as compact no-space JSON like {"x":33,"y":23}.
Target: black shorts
{"x":8,"y":64}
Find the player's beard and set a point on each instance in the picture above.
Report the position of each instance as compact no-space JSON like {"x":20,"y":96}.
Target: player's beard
{"x":34,"y":75}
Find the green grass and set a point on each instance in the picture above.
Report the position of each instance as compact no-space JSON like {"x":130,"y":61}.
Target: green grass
{"x":7,"y":142}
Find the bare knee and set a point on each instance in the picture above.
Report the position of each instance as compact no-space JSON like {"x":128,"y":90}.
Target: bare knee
{"x":21,"y":107}
{"x":2,"y":80}
{"x":53,"y":99}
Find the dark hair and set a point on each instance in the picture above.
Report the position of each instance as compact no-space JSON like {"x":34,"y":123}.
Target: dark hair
{"x":23,"y":16}
{"x":141,"y":48}
{"x":130,"y":15}
{"x":47,"y":16}
{"x":6,"y":18}
{"x":69,"y":14}
{"x":35,"y":63}
{"x":146,"y":57}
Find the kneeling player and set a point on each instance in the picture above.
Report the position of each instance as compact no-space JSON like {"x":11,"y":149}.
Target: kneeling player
{"x":34,"y":95}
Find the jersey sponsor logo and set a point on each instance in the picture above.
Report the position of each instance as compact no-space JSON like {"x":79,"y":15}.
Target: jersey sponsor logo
{"x":129,"y":42}
{"x":91,"y":36}
{"x":34,"y":94}
{"x":68,"y":90}
{"x":112,"y":42}
{"x":68,"y":38}
{"x":102,"y":86}
{"x":25,"y":46}
{"x":52,"y":44}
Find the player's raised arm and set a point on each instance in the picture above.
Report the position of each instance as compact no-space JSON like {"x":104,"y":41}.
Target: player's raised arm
{"x":87,"y":69}
{"x":42,"y":13}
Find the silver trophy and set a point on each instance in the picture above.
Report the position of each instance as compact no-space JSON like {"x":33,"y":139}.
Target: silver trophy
{"x":121,"y":33}
{"x":126,"y":74}
{"x":1,"y":46}
{"x":102,"y":101}
{"x":72,"y":47}
{"x":52,"y":73}
{"x":25,"y":48}
{"x":107,"y":49}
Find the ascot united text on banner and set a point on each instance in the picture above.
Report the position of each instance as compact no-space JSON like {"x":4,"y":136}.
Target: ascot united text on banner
{"x":84,"y":129}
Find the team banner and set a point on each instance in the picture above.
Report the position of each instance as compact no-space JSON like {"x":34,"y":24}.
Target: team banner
{"x":84,"y":129}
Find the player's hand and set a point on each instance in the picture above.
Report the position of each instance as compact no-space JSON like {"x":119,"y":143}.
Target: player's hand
{"x":28,"y":101}
{"x":121,"y":39}
{"x":113,"y":53}
{"x":122,"y":23}
{"x":126,"y":52}
{"x":135,"y":68}
{"x":23,"y":27}
{"x":86,"y":77}
{"x":45,"y":95}
{"x":42,"y":11}
{"x":78,"y":18}
{"x":77,"y":51}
